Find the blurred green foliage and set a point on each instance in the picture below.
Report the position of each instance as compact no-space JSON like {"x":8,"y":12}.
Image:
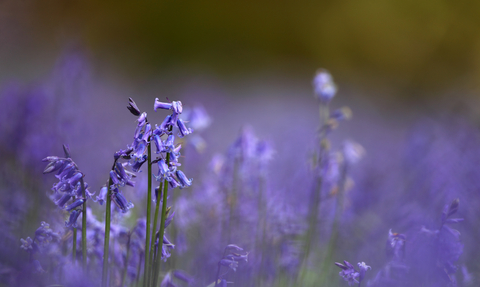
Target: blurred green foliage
{"x":426,"y":45}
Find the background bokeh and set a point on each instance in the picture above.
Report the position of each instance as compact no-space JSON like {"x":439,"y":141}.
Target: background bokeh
{"x":409,"y":70}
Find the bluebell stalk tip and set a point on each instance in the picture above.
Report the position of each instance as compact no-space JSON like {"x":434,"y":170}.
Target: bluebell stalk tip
{"x":323,"y":85}
{"x":132,"y":107}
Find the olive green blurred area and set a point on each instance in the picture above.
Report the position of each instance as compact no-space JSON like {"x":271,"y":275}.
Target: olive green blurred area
{"x":427,"y":46}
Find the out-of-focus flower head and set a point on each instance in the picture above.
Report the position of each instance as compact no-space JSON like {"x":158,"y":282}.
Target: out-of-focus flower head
{"x":323,"y":86}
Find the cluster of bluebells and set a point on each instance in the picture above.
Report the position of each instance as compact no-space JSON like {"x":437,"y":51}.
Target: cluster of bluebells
{"x":70,"y":186}
{"x":433,"y":256}
{"x":44,"y":235}
{"x":231,"y":258}
{"x":350,"y":274}
{"x":168,"y":153}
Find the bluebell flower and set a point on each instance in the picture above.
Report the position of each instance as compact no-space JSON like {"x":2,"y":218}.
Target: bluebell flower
{"x":349,"y":273}
{"x":75,"y":204}
{"x":72,"y":219}
{"x":27,"y":244}
{"x":102,"y":195}
{"x":163,"y":171}
{"x":161,"y":105}
{"x":182,"y":178}
{"x":63,"y":200}
{"x":121,"y":201}
{"x":183,"y":129}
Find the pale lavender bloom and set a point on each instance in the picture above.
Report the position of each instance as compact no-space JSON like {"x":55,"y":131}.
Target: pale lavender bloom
{"x":323,"y":85}
{"x":177,"y":107}
{"x":161,"y":105}
{"x":352,"y":152}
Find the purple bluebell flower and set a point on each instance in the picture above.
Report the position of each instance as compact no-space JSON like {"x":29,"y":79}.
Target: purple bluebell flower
{"x":182,"y":178}
{"x":230,"y":259}
{"x":72,"y":219}
{"x":173,"y":183}
{"x":177,"y":107}
{"x":163,"y":171}
{"x":349,"y":273}
{"x":363,"y":268}
{"x":27,"y":244}
{"x":75,"y":204}
{"x":167,"y":246}
{"x":158,"y":143}
{"x":161,"y":105}
{"x":164,"y":126}
{"x":102,"y":195}
{"x":55,"y":164}
{"x":183,"y":128}
{"x":121,"y":201}
{"x":323,"y":85}
{"x":63,"y":200}
{"x":169,"y":143}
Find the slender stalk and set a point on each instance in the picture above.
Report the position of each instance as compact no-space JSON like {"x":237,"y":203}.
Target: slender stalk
{"x":107,"y":234}
{"x":162,"y":229}
{"x":154,"y":228}
{"x":149,"y":207}
{"x":317,"y":188}
{"x":139,"y":266}
{"x":74,"y":249}
{"x":84,"y":227}
{"x":125,"y":267}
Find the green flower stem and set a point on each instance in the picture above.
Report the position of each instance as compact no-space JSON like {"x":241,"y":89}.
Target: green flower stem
{"x":108,"y":212}
{"x":74,"y":249}
{"x":125,"y":267}
{"x":84,"y":227}
{"x":162,"y":230}
{"x":154,"y":229}
{"x":149,"y":207}
{"x":317,"y":188}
